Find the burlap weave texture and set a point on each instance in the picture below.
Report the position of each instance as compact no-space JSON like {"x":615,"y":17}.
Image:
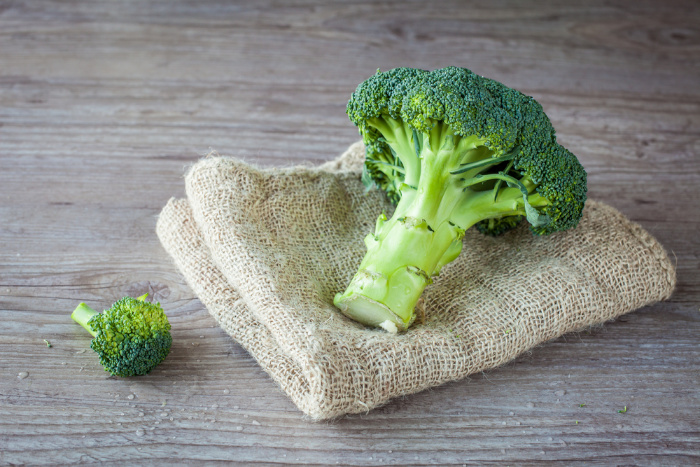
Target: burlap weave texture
{"x":266,"y":251}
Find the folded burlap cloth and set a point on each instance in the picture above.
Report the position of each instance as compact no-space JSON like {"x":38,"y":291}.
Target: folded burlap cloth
{"x":266,"y":251}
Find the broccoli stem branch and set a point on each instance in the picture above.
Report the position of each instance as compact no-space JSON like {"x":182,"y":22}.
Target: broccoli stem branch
{"x":425,"y":233}
{"x":406,"y":251}
{"x":82,"y":315}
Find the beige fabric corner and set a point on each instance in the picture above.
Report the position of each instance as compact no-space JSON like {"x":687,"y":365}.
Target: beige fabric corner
{"x":266,"y":251}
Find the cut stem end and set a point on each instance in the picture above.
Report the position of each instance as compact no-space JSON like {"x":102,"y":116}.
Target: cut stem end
{"x":370,"y":313}
{"x":82,"y":315}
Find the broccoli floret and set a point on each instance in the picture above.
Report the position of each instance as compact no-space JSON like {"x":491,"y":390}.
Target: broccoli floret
{"x":131,"y":338}
{"x":497,"y":226}
{"x":451,"y":149}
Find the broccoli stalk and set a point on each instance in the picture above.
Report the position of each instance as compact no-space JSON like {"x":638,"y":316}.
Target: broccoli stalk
{"x":82,"y":314}
{"x":131,"y":338}
{"x":452,"y":150}
{"x":439,"y":203}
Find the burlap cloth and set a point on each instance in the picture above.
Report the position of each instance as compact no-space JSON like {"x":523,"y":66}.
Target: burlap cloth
{"x":266,"y":251}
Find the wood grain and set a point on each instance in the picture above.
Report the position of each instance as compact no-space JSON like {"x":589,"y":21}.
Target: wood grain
{"x":104,"y":104}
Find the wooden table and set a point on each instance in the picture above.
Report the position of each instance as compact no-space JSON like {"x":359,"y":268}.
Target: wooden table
{"x":104,"y":104}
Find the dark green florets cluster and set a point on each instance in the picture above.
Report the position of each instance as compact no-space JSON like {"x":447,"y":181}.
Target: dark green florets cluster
{"x":560,"y":179}
{"x":132,"y":337}
{"x":505,"y":120}
{"x":496,"y":227}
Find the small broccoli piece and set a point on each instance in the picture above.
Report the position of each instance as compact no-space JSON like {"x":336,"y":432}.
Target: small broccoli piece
{"x":131,"y":338}
{"x":452,"y":150}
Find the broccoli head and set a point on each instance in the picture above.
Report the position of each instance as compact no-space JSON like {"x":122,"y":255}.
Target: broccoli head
{"x":452,"y":150}
{"x":131,"y":338}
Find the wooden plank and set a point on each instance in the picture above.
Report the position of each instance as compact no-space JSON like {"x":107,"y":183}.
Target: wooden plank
{"x":103,"y":105}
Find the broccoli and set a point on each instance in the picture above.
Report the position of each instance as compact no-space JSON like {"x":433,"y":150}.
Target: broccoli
{"x":452,"y":150}
{"x":131,"y":338}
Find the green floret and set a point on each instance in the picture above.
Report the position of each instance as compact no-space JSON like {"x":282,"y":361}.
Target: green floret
{"x":131,"y":338}
{"x":496,"y":226}
{"x":451,"y":149}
